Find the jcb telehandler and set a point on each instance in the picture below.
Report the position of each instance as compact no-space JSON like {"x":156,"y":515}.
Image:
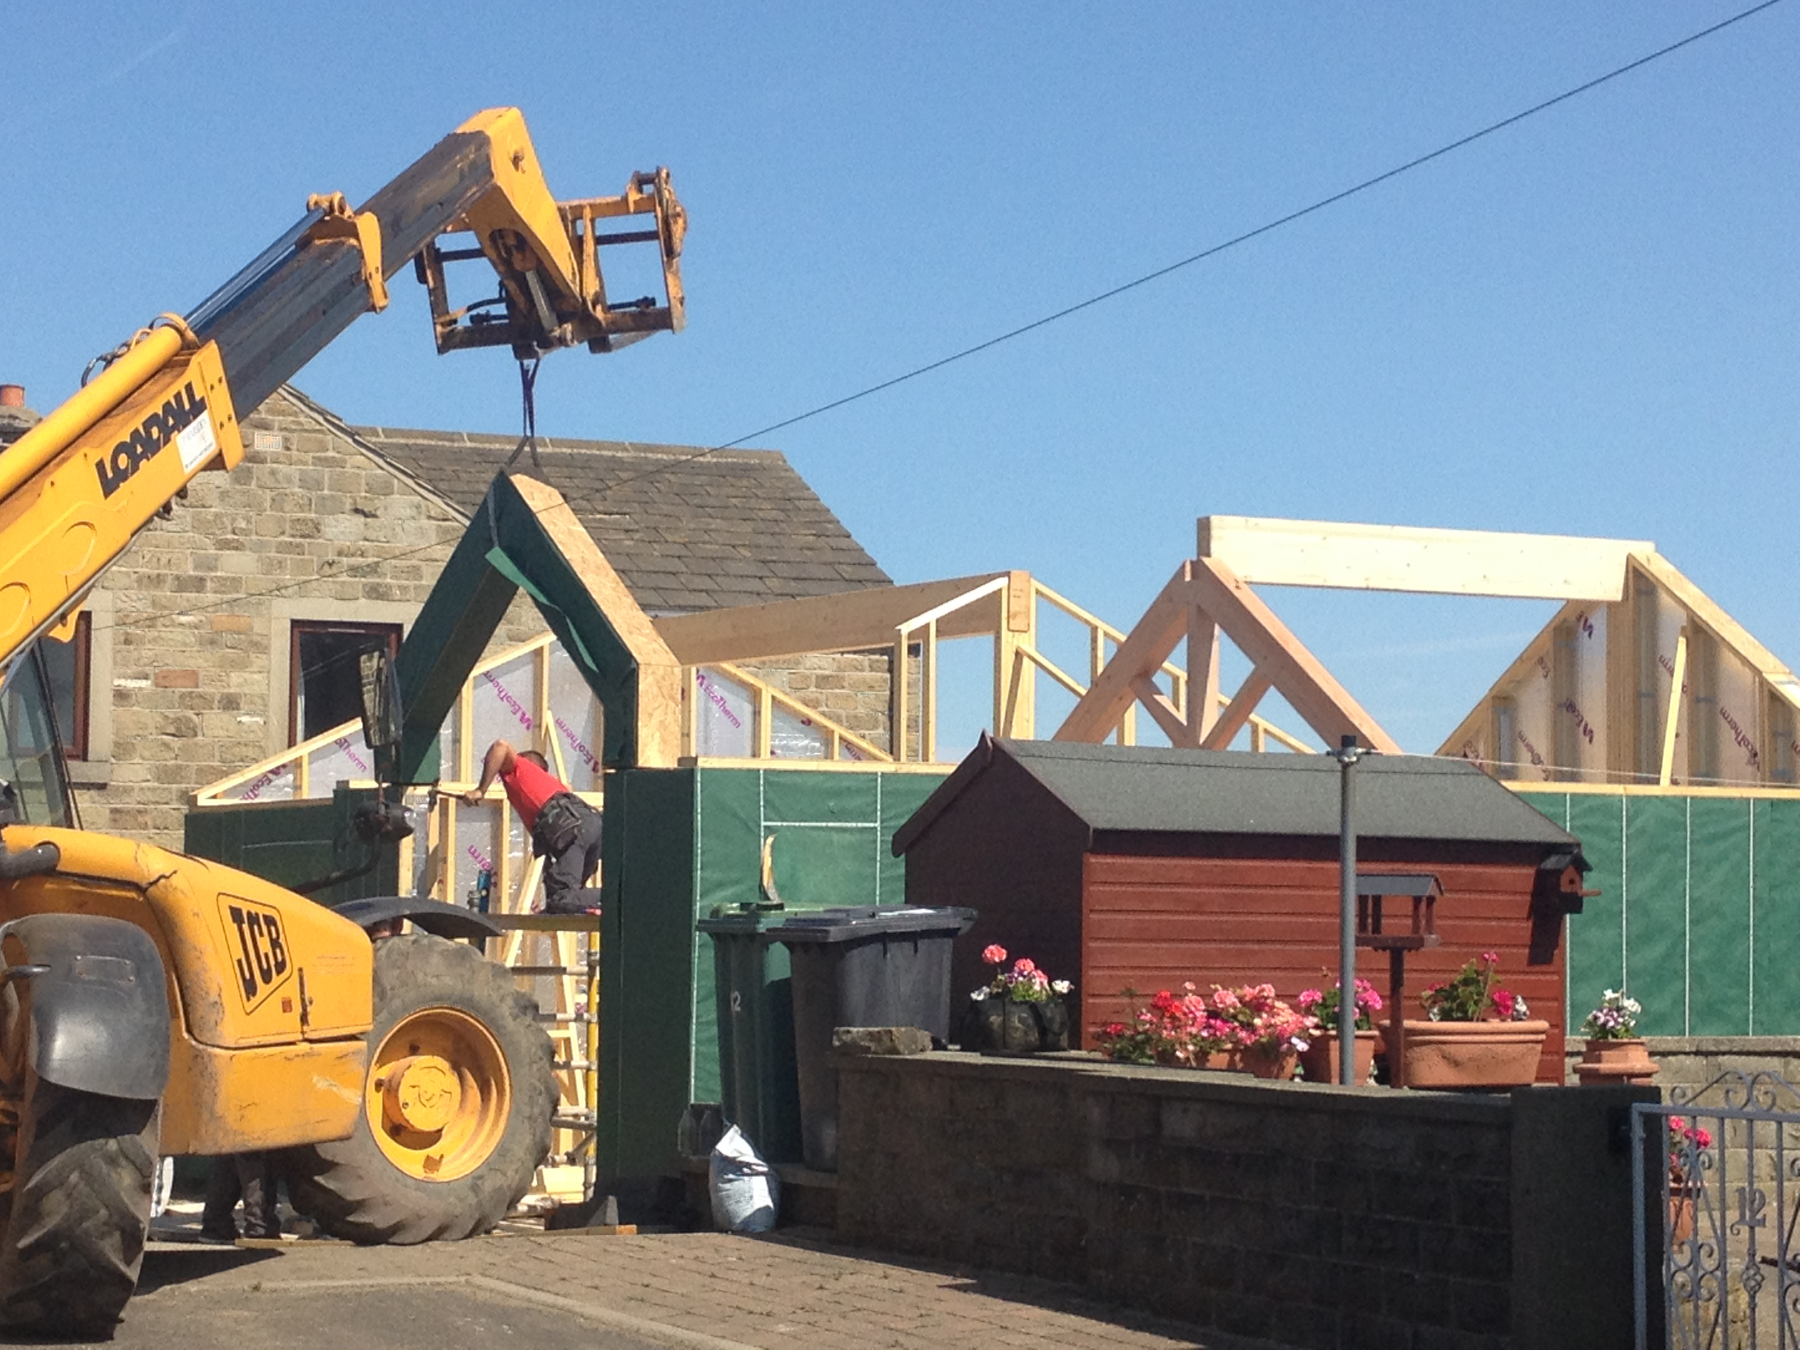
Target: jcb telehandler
{"x":152,"y":1003}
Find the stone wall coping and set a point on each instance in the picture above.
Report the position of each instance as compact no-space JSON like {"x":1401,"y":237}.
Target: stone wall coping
{"x":1103,"y":1076}
{"x":1716,"y":1045}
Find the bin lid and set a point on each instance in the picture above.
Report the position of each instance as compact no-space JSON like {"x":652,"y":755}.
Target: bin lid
{"x":853,"y":922}
{"x":741,"y":922}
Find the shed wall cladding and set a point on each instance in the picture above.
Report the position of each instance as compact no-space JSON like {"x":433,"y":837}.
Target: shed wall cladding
{"x":1020,"y":870}
{"x":1151,"y":923}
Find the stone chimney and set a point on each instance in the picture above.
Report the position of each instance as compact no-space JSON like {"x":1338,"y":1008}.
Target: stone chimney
{"x":15,"y":418}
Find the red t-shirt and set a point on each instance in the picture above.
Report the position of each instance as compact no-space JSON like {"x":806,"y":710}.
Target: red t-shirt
{"x":528,"y":788}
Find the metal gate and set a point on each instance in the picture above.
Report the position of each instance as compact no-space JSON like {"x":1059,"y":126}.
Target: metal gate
{"x":1715,"y":1202}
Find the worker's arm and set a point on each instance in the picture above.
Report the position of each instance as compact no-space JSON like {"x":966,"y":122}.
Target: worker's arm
{"x":500,"y":759}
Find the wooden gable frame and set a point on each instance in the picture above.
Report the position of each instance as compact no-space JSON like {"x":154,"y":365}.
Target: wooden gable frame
{"x":1203,"y":601}
{"x":1648,"y":750}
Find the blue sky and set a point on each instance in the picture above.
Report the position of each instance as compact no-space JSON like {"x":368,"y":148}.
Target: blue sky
{"x":1586,"y":324}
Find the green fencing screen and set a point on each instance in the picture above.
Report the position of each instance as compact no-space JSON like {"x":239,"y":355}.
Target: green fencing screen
{"x":1698,"y":915}
{"x":680,"y":842}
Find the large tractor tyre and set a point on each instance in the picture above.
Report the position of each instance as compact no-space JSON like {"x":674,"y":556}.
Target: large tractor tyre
{"x":78,"y":1212}
{"x":457,"y":1104}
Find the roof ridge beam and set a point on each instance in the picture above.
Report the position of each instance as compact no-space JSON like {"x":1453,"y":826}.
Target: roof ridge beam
{"x":1343,"y":556}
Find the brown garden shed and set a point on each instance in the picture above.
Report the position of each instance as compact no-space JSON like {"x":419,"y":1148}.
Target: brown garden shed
{"x":1132,"y":867}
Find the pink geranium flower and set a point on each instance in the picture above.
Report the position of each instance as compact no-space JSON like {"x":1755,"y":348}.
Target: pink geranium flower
{"x":1024,"y":983}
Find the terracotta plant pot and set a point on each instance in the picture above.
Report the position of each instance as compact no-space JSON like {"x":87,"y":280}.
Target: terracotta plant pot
{"x":1681,"y":1211}
{"x":1472,"y":1054}
{"x":1276,"y":1064}
{"x":1320,"y":1059}
{"x":1226,"y":1061}
{"x":1604,"y":1062}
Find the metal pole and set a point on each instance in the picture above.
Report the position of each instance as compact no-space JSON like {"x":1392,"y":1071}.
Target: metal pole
{"x":1347,"y":755}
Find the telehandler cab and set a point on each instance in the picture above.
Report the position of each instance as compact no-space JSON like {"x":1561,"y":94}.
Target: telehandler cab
{"x":155,"y":1004}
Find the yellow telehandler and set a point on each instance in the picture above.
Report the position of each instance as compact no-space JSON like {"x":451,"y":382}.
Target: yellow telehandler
{"x":157,"y":1004}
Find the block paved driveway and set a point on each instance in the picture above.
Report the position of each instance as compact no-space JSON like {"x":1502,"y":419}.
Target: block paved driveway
{"x":699,"y":1291}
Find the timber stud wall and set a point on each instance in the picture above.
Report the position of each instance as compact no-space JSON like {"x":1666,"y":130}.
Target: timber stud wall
{"x":1313,"y":1216}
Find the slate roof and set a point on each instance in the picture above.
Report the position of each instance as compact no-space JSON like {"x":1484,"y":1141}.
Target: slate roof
{"x":733,"y":527}
{"x":1149,"y":789}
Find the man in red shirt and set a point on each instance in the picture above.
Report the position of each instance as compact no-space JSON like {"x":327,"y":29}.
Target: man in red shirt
{"x":565,"y":831}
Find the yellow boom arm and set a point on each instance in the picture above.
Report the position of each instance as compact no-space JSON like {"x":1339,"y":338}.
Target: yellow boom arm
{"x":77,"y":488}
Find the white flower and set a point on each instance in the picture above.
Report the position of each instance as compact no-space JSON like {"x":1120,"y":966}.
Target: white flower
{"x":1061,"y":986}
{"x":979,"y":994}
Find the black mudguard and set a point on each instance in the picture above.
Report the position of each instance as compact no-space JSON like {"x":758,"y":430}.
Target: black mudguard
{"x":433,"y":916}
{"x":99,"y":1009}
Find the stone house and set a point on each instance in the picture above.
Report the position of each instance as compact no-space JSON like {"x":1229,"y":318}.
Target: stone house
{"x":228,"y":631}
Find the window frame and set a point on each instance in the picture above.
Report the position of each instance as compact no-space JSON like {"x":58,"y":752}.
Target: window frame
{"x":298,"y":628}
{"x":76,"y":738}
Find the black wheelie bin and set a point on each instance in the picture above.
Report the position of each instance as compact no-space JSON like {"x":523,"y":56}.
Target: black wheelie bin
{"x":860,"y":967}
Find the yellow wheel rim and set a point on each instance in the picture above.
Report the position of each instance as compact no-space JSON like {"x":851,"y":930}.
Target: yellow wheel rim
{"x":438,"y":1095}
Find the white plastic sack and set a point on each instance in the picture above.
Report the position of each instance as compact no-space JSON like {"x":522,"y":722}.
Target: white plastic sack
{"x":746,"y":1192}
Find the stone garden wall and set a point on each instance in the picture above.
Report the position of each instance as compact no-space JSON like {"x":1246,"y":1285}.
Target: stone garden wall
{"x":1305,"y":1214}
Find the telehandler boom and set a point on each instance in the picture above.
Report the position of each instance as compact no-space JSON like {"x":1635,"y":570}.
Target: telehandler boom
{"x":152,"y":1003}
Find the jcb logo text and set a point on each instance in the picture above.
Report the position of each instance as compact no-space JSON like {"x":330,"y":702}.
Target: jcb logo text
{"x":260,"y":956}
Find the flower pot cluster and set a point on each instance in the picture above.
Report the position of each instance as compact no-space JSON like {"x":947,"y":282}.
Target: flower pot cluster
{"x":1475,"y":1033}
{"x":1243,"y":1030}
{"x":1020,"y":1011}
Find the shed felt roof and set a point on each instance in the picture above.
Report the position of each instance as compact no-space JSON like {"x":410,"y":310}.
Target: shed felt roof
{"x":1146,"y":789}
{"x":687,"y":529}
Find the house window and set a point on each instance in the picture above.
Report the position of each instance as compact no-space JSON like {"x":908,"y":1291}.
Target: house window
{"x":324,"y":675}
{"x":66,"y":663}
{"x":28,"y":757}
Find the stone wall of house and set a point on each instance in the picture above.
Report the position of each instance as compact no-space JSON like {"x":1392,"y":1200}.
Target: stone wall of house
{"x":1307,"y":1214}
{"x":190,"y":628}
{"x":851,"y":688}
